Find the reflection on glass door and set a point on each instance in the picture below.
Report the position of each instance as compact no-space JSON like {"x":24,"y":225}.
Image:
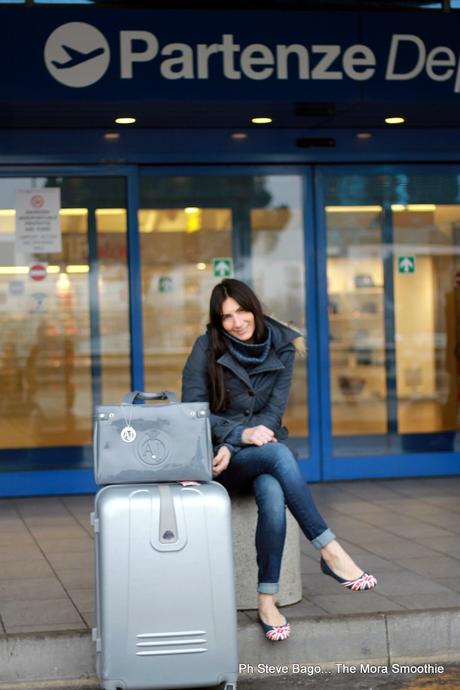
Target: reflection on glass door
{"x":356,"y":320}
{"x":54,"y":358}
{"x":394,"y":312}
{"x":253,"y":223}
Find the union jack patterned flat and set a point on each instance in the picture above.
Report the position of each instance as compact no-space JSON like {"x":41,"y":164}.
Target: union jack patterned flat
{"x":362,"y":583}
{"x":275,"y":633}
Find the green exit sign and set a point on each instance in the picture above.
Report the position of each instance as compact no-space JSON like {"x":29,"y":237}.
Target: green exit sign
{"x":406,"y":264}
{"x":222,"y":267}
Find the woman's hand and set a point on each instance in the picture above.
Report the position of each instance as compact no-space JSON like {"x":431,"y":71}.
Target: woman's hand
{"x":221,"y":461}
{"x":258,"y":435}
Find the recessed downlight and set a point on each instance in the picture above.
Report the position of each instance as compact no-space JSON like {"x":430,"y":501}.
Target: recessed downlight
{"x":239,"y":136}
{"x":261,"y":120}
{"x":394,"y":120}
{"x":125,"y":120}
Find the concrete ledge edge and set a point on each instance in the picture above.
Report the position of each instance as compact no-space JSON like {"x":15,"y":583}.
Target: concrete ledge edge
{"x":413,"y":637}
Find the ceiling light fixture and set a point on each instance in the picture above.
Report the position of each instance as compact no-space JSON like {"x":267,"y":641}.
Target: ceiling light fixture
{"x":394,"y":120}
{"x":73,"y":211}
{"x":353,"y":209}
{"x":261,"y":120}
{"x":418,"y":208}
{"x":109,"y":211}
{"x":77,"y":268}
{"x":13,"y":270}
{"x":125,"y":120}
{"x":423,"y":208}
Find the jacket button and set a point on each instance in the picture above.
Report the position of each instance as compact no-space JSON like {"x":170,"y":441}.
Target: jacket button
{"x":247,"y":412}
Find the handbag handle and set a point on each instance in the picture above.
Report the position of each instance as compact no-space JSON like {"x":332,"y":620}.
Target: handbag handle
{"x":130,"y":398}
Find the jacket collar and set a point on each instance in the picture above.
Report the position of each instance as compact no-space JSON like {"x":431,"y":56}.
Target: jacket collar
{"x":282,"y":334}
{"x":272,"y":363}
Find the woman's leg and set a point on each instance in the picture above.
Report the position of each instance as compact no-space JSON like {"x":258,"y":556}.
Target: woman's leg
{"x":270,"y":531}
{"x":277,"y":460}
{"x":270,"y":537}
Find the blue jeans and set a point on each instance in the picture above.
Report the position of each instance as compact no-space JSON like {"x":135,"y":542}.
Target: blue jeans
{"x":274,"y":476}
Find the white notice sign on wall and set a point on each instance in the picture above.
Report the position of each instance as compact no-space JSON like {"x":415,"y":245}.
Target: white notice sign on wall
{"x":38,"y":227}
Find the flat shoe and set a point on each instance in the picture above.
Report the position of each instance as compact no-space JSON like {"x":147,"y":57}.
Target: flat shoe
{"x":362,"y":583}
{"x":275,"y":633}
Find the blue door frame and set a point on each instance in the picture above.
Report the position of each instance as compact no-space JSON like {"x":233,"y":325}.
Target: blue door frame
{"x":321,"y":464}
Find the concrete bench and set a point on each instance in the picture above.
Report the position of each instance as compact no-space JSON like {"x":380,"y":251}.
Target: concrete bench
{"x":244,"y":518}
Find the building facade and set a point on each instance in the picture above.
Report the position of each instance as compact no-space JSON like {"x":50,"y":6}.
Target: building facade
{"x":112,"y":235}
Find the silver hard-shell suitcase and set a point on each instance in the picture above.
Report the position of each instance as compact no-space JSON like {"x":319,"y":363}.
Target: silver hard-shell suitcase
{"x":165,"y":599}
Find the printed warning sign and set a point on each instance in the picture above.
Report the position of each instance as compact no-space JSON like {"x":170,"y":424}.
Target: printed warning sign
{"x":38,"y":228}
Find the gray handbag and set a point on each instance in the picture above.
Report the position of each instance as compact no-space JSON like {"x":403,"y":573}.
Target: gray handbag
{"x":152,"y":443}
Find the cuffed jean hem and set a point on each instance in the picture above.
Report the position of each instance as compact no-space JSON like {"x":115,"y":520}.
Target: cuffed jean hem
{"x":323,"y":539}
{"x":268,"y":587}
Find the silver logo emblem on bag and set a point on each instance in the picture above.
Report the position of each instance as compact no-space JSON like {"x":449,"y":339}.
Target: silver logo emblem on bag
{"x":153,"y":451}
{"x":128,"y":434}
{"x":154,"y":448}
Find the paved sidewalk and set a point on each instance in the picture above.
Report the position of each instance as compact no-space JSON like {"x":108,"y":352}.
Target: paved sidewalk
{"x":406,"y":532}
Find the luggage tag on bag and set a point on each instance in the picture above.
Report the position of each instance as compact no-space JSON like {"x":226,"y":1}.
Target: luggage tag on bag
{"x":128,"y":433}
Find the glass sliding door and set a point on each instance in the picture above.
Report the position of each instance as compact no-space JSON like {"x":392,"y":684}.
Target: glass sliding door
{"x":194,"y":231}
{"x":393,"y":323}
{"x":64,"y":331}
{"x":427,"y":324}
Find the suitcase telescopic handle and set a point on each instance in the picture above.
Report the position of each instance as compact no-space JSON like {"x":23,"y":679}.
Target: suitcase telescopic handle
{"x":130,"y":398}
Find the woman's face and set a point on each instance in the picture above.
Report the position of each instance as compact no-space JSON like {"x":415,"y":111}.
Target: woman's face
{"x":236,"y":321}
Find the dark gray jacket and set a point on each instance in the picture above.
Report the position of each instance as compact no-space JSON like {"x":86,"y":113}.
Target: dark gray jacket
{"x":256,"y":396}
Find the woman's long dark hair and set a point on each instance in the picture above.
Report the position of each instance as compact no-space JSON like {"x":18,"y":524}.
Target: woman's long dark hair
{"x":248,"y":300}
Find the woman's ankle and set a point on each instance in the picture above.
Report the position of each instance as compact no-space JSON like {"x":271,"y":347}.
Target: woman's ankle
{"x":265,"y":600}
{"x":268,"y":609}
{"x":331,"y":550}
{"x":340,"y":561}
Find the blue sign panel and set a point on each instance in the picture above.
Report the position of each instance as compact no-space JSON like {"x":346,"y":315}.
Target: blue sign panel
{"x":160,"y":55}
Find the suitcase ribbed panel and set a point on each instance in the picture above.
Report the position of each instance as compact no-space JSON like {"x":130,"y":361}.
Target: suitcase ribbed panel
{"x":171,"y":639}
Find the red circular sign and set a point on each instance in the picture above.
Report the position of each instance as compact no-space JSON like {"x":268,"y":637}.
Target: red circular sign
{"x":37,"y":272}
{"x":37,"y":201}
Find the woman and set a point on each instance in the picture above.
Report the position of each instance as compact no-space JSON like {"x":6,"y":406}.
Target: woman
{"x":243,"y":367}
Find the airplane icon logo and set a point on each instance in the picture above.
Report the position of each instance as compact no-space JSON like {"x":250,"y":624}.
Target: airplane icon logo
{"x":76,"y":57}
{"x":77,"y":54}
